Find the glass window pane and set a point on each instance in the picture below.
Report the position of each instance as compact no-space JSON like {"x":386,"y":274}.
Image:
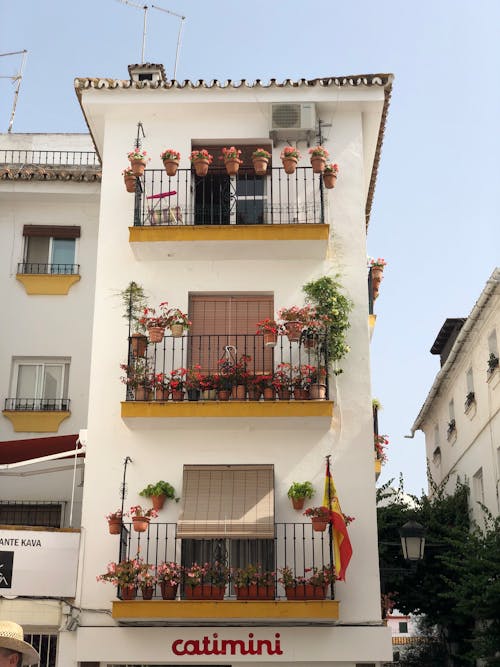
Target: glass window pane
{"x":63,"y":252}
{"x":52,"y":382}
{"x":250,"y":212}
{"x":250,"y":187}
{"x":26,"y":381}
{"x":37,"y":249}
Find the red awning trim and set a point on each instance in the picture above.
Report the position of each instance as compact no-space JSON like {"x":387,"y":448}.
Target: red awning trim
{"x":15,"y":451}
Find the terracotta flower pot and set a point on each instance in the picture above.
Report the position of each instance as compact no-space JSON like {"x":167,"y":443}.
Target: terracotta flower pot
{"x":289,"y":164}
{"x":142,"y":394}
{"x":171,"y":167}
{"x":329,"y":179}
{"x":293,"y":331}
{"x":158,"y":501}
{"x":201,"y":166}
{"x":232,"y":167}
{"x":168,"y":590}
{"x":147,"y":592}
{"x":318,"y":164}
{"x":177,"y":394}
{"x":269,"y":394}
{"x":176,"y":330}
{"x":128,"y":592}
{"x":377,"y":272}
{"x":115,"y":525}
{"x":156,"y":334}
{"x":140,"y":523}
{"x":239,"y":393}
{"x":223,"y":395}
{"x":162,"y":394}
{"x":254,"y":393}
{"x":284,"y":394}
{"x":305,"y":592}
{"x":317,"y":392}
{"x":129,"y":183}
{"x":298,"y":503}
{"x":139,"y":344}
{"x":260,"y":165}
{"x":255,"y":592}
{"x":204,"y":592}
{"x":138,"y":166}
{"x":270,"y":338}
{"x":319,"y":524}
{"x":300,"y":394}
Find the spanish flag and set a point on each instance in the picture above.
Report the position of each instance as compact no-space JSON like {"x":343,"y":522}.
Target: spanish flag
{"x":342,"y":549}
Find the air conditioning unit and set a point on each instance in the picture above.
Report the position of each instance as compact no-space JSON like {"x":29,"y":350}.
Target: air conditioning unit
{"x":293,"y":121}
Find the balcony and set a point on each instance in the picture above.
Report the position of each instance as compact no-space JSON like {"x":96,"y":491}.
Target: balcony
{"x":53,"y":158}
{"x":41,"y":278}
{"x":227,"y":376}
{"x":36,"y":415}
{"x":294,"y":545}
{"x":190,"y":217}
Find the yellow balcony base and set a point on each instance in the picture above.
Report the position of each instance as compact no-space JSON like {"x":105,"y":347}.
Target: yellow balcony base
{"x":36,"y":422}
{"x":378,"y":468}
{"x":371,"y":324}
{"x":230,"y":241}
{"x":228,"y":612}
{"x":311,"y":414}
{"x":45,"y":283}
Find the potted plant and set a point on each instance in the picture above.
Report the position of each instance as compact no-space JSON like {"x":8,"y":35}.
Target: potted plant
{"x":231,"y":158}
{"x":176,"y":383}
{"x":142,"y":517}
{"x":493,"y":362}
{"x":311,"y":586}
{"x":205,"y":582}
{"x":377,"y":269}
{"x":325,"y":295}
{"x":265,"y":384}
{"x":315,"y":330}
{"x":319,"y":156}
{"x":139,"y":378}
{"x":320,"y":517}
{"x":161,"y":386}
{"x":114,"y":520}
{"x":317,"y":383}
{"x":298,"y":492}
{"x":158,"y":493}
{"x":253,"y":583}
{"x":138,"y":160}
{"x":201,"y":159}
{"x":134,"y":302}
{"x":178,"y":322}
{"x":330,"y":174}
{"x":129,"y":179}
{"x":147,"y":582}
{"x":301,"y":381}
{"x":193,"y":381}
{"x":125,"y":575}
{"x":254,"y":388}
{"x":380,"y":443}
{"x":260,"y":159}
{"x":290,"y":156}
{"x":224,"y":379}
{"x":269,"y":329}
{"x":294,"y":320}
{"x":282,"y":381}
{"x":208,"y":386}
{"x":156,"y":322}
{"x":169,"y":576}
{"x":170,"y":159}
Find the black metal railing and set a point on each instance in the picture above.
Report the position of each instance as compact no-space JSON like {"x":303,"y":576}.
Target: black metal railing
{"x":53,"y":158}
{"x":295,"y":545}
{"x":39,"y":268}
{"x":37,"y":404}
{"x":371,"y":300}
{"x":244,"y":366}
{"x":218,"y":199}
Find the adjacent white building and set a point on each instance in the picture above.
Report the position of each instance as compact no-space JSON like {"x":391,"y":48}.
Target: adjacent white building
{"x":461,"y":414}
{"x":228,"y":250}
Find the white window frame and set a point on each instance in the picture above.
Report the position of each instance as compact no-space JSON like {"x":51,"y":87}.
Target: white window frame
{"x":49,"y":261}
{"x":478,"y":486}
{"x":40,"y":363}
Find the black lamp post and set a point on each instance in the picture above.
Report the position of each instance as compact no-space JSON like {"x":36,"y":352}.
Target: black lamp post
{"x":412,"y":536}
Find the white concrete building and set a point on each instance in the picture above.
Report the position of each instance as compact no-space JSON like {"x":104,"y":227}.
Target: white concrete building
{"x":230,"y":251}
{"x":49,"y":201}
{"x":461,"y":414}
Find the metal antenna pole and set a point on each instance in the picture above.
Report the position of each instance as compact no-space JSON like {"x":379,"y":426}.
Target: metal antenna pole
{"x":17,"y":77}
{"x":144,"y":33}
{"x":124,"y":484}
{"x":178,"y":48}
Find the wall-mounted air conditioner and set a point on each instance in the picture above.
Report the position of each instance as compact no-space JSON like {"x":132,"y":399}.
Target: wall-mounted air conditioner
{"x":293,"y":121}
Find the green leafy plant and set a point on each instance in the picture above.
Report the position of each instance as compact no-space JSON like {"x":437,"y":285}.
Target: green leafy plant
{"x":326,"y":296}
{"x":262,"y":154}
{"x":252,"y":575}
{"x":134,"y":302}
{"x":301,"y":490}
{"x":161,"y":488}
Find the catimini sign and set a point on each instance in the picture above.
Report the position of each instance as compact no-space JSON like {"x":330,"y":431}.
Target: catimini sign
{"x":216,"y":645}
{"x":38,"y":562}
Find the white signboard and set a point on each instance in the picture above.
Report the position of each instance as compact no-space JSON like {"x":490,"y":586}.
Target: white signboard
{"x":37,"y":562}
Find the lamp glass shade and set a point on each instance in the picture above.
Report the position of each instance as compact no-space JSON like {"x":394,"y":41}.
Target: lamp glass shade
{"x":412,"y":540}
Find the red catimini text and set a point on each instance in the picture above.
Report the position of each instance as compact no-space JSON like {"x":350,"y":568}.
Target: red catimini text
{"x":215,"y":646}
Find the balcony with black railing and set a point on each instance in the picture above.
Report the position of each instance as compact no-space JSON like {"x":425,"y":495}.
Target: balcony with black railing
{"x":184,"y":208}
{"x":49,"y":158}
{"x":37,"y":268}
{"x":227,"y":375}
{"x":296,"y":565}
{"x":36,"y":415}
{"x":37,"y":404}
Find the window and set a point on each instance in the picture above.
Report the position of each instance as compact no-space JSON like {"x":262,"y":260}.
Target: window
{"x":470,"y":396}
{"x":221,"y":320}
{"x":40,"y":384}
{"x":50,"y":249}
{"x":22,"y":513}
{"x":477,"y":483}
{"x":492,"y":343}
{"x":436,"y":435}
{"x":403,"y":627}
{"x":452,"y":426}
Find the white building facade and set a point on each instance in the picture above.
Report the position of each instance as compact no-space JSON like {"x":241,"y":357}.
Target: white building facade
{"x":460,"y":417}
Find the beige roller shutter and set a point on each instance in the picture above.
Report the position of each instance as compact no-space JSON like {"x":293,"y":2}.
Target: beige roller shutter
{"x":227,"y":501}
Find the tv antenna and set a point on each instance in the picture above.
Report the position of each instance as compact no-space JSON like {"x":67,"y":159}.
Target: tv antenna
{"x":145,"y":9}
{"x":16,"y":79}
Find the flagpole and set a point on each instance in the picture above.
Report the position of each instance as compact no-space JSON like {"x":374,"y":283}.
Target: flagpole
{"x":330,"y":526}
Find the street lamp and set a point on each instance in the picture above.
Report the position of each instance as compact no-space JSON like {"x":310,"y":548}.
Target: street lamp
{"x":412,"y":536}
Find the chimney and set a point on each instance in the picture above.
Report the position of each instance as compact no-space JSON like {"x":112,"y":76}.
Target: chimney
{"x":147,"y":72}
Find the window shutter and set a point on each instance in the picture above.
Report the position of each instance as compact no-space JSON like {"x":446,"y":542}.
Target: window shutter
{"x":56,"y":231}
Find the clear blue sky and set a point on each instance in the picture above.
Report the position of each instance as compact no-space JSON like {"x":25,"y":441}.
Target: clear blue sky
{"x":436,"y":210}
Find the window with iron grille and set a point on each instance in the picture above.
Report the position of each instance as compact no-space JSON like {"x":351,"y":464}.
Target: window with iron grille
{"x":39,"y":384}
{"x":46,"y":645}
{"x":50,"y":249}
{"x":21,"y":513}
